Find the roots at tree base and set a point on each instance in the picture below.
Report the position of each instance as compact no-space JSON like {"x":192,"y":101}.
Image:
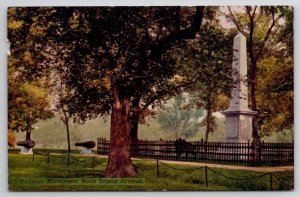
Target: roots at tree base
{"x":120,"y":168}
{"x":126,"y":170}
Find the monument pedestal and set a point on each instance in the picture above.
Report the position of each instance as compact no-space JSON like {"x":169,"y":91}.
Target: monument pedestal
{"x":238,"y":125}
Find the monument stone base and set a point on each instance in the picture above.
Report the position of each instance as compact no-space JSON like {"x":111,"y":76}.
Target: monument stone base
{"x":25,"y":150}
{"x":238,"y":125}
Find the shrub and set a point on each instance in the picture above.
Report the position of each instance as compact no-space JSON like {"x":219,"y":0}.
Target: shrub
{"x":11,"y":139}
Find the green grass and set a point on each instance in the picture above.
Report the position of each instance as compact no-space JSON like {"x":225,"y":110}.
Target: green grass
{"x":22,"y":166}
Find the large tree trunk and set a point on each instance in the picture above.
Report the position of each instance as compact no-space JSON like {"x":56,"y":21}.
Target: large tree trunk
{"x":208,"y":121}
{"x":134,"y":120}
{"x":28,"y":135}
{"x":28,"y":128}
{"x":67,"y":128}
{"x":252,"y":75}
{"x":119,"y":161}
{"x":134,"y":127}
{"x":255,"y":133}
{"x":68,"y":135}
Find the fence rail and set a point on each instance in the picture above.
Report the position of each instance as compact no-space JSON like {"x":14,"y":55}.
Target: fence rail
{"x":237,"y":153}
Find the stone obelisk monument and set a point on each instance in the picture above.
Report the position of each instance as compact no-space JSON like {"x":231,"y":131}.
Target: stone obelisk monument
{"x":238,"y":117}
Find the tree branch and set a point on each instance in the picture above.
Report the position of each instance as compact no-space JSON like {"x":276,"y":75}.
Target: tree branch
{"x":274,"y":22}
{"x":251,"y":33}
{"x":163,"y":93}
{"x":164,"y":44}
{"x":235,"y":21}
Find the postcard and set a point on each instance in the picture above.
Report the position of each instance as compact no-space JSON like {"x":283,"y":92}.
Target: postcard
{"x":140,"y":98}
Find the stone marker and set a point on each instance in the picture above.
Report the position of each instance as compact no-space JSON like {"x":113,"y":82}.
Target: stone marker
{"x":238,"y":117}
{"x":26,"y":146}
{"x":86,"y":146}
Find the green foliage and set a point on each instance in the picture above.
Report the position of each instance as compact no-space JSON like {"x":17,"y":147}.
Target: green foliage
{"x":28,"y":99}
{"x":27,"y":104}
{"x":282,"y":136}
{"x":179,"y":118}
{"x":206,"y":61}
{"x":275,"y":94}
{"x":11,"y":139}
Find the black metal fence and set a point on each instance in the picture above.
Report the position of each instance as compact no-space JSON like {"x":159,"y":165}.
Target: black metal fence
{"x":236,"y":153}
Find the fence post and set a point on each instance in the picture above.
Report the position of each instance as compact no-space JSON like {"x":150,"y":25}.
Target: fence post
{"x":48,"y":159}
{"x":32,"y":156}
{"x":271,"y":181}
{"x":98,"y":145}
{"x":248,"y":153}
{"x":157,"y":168}
{"x":256,"y":149}
{"x":68,"y":159}
{"x":93,"y":163}
{"x":206,"y":179}
{"x":259,"y":153}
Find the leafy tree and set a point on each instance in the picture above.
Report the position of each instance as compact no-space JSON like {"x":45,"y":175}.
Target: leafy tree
{"x":118,"y":55}
{"x":55,"y":57}
{"x":27,"y":97}
{"x":179,"y":117}
{"x":206,"y":61}
{"x":27,"y":104}
{"x":275,"y":85}
{"x":122,"y":56}
{"x":164,"y":89}
{"x":11,"y":139}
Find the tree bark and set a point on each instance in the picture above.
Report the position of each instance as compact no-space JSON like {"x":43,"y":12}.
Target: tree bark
{"x":28,"y":128}
{"x":134,"y":127}
{"x":67,"y":128}
{"x":134,"y":120}
{"x":208,"y":121}
{"x":252,"y":75}
{"x":207,"y":124}
{"x":255,"y":133}
{"x":66,"y":117}
{"x":119,"y":161}
{"x":28,"y":135}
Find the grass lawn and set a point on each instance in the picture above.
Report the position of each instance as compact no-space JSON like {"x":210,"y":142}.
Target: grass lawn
{"x":22,"y":166}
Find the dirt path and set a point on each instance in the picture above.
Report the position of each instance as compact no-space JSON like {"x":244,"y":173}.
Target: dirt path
{"x":256,"y":169}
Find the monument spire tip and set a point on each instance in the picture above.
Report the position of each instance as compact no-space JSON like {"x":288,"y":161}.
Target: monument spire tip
{"x":240,"y":34}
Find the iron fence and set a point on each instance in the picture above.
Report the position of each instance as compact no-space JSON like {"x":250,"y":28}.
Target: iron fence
{"x":234,"y":153}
